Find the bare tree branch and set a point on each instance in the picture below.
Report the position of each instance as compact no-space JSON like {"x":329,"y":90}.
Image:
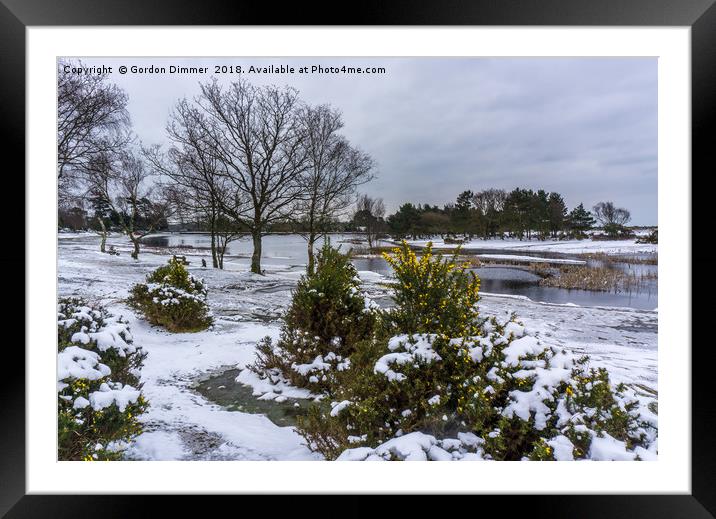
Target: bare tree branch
{"x":335,"y":170}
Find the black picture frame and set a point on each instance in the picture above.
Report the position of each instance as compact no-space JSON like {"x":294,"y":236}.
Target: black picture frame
{"x":700,"y":15}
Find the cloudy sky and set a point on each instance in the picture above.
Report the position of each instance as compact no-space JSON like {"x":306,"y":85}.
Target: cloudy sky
{"x":585,"y":127}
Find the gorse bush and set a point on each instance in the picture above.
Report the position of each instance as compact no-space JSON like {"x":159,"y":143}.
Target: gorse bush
{"x":446,"y":371}
{"x":99,"y":393}
{"x":432,"y":294}
{"x":373,"y":398}
{"x":328,"y":317}
{"x":535,"y":402}
{"x":173,"y":298}
{"x":95,"y":329}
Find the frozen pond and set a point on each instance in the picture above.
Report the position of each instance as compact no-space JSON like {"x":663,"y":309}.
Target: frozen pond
{"x":289,"y":250}
{"x":498,"y":280}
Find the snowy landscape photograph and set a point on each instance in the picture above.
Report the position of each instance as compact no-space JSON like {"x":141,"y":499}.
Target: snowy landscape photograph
{"x":357,"y":259}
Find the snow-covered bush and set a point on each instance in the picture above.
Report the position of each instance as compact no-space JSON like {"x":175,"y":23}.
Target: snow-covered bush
{"x":95,"y":329}
{"x":417,"y":446}
{"x":173,"y":298}
{"x":99,"y":394}
{"x":487,"y":377}
{"x":327,"y":319}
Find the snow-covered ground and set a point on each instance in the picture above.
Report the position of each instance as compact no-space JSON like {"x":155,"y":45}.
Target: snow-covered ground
{"x":563,"y":246}
{"x":182,"y":424}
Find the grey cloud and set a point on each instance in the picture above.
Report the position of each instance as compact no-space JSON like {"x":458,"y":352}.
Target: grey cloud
{"x":586,"y":127}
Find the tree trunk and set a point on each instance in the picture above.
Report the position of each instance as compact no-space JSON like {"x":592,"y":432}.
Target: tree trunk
{"x":214,"y":258}
{"x":220,"y":251}
{"x":135,"y":242}
{"x":256,"y":256}
{"x":103,"y":235}
{"x":311,"y":259}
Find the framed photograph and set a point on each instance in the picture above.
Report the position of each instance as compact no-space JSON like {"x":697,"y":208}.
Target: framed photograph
{"x":265,"y":248}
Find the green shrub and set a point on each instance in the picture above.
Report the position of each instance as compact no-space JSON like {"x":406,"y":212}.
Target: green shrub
{"x":487,"y":377}
{"x":432,"y":294}
{"x":328,"y":317}
{"x":614,"y":231}
{"x":173,"y":298}
{"x":99,"y":393}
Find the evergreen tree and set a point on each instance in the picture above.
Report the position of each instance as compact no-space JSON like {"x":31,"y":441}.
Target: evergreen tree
{"x":433,"y":221}
{"x":406,"y":221}
{"x":580,"y":220}
{"x":539,"y":216}
{"x":462,"y":213}
{"x":517,"y":212}
{"x":557,"y":213}
{"x":326,"y":321}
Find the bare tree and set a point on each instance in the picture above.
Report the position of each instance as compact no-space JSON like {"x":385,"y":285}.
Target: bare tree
{"x":369,"y":214}
{"x":124,"y":186}
{"x":608,"y":215}
{"x":335,"y":170}
{"x":92,"y":120}
{"x":257,"y":136}
{"x":489,"y":204}
{"x":200,"y":185}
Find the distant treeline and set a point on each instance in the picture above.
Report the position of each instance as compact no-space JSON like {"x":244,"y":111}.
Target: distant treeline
{"x":521,"y":213}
